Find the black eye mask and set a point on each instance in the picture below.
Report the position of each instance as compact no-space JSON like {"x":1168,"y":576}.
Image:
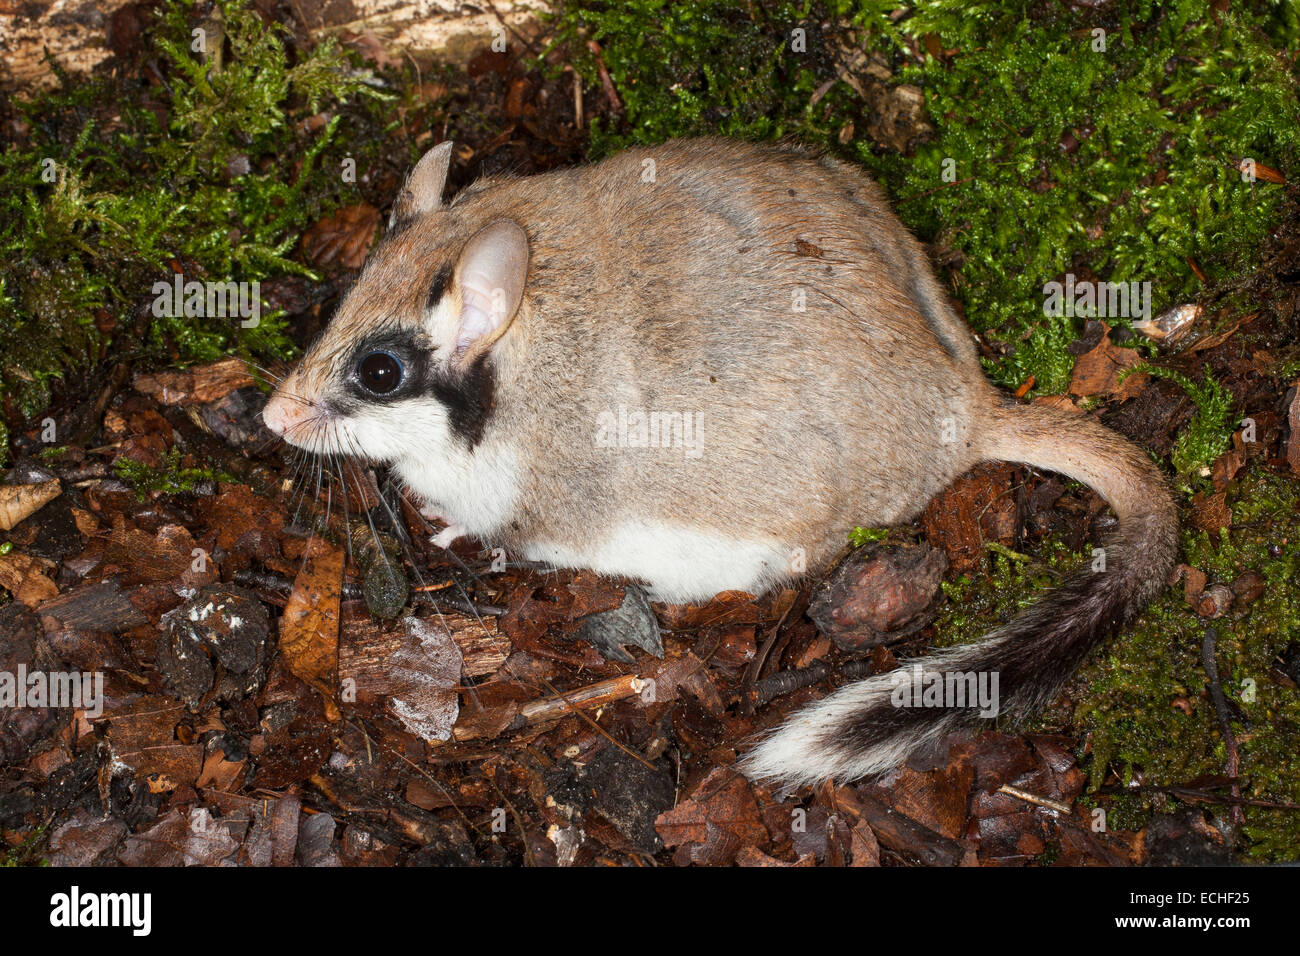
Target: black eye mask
{"x":393,"y":367}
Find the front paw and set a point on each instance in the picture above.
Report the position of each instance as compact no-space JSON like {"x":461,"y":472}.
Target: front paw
{"x":447,"y":535}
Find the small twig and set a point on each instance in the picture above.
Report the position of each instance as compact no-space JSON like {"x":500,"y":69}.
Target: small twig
{"x":161,"y":79}
{"x":532,"y":48}
{"x":598,"y":694}
{"x":419,"y":79}
{"x":958,"y":182}
{"x":577,"y":701}
{"x":999,"y":548}
{"x":1225,"y":721}
{"x":84,"y":471}
{"x":1193,"y":795}
{"x":611,"y":94}
{"x":822,"y":91}
{"x":578,"y":117}
{"x":519,"y":820}
{"x":116,"y":379}
{"x":459,"y":604}
{"x":783,"y":682}
{"x":269,"y":581}
{"x":417,"y":768}
{"x":1035,"y":799}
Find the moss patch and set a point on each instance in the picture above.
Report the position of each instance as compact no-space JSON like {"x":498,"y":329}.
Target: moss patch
{"x":174,"y":477}
{"x":1209,"y":433}
{"x":211,"y":172}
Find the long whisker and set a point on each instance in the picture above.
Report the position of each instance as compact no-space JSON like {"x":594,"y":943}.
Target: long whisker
{"x":273,"y":378}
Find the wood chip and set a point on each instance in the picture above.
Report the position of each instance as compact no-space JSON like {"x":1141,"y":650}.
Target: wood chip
{"x":20,"y":501}
{"x":195,"y":386}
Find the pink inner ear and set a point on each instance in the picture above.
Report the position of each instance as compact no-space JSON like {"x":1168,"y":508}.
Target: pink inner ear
{"x":474,"y":324}
{"x":491,"y":274}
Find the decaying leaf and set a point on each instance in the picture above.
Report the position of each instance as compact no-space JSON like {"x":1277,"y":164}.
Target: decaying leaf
{"x":633,"y":622}
{"x":343,"y":238}
{"x":1097,"y":371}
{"x":974,"y":509}
{"x":713,"y":824}
{"x":371,"y":48}
{"x":423,"y":679}
{"x":143,"y":736}
{"x":309,"y":627}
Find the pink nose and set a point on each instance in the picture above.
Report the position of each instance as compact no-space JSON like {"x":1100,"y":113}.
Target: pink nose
{"x":283,"y":413}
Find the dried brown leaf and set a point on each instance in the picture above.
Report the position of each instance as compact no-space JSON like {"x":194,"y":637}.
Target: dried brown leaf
{"x":309,"y":627}
{"x":717,"y":821}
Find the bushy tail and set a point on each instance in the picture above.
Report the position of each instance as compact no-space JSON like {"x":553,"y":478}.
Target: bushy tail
{"x":870,"y":727}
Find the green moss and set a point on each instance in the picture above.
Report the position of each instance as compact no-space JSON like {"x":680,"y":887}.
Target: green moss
{"x":1011,"y":583}
{"x":1210,"y":432}
{"x":172,"y":478}
{"x":1135,"y":694}
{"x":1120,"y":162}
{"x":1051,"y":853}
{"x":1050,"y":156}
{"x":27,"y":853}
{"x":860,"y":536}
{"x":121,"y":184}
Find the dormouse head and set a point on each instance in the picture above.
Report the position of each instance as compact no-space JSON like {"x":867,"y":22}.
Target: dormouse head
{"x":406,"y":367}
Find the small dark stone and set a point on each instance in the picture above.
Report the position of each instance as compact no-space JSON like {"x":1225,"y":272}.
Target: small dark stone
{"x":385,"y":590}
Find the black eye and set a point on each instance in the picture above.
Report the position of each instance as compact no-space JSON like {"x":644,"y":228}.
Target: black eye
{"x":379,"y":372}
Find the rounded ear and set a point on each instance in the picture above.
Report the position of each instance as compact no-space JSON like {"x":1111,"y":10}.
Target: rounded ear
{"x":490,"y":274}
{"x":422,"y":191}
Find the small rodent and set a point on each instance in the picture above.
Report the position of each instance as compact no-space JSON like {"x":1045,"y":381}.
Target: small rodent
{"x":700,"y":365}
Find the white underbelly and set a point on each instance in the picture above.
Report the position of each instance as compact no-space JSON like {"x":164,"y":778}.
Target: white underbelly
{"x":679,"y":565}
